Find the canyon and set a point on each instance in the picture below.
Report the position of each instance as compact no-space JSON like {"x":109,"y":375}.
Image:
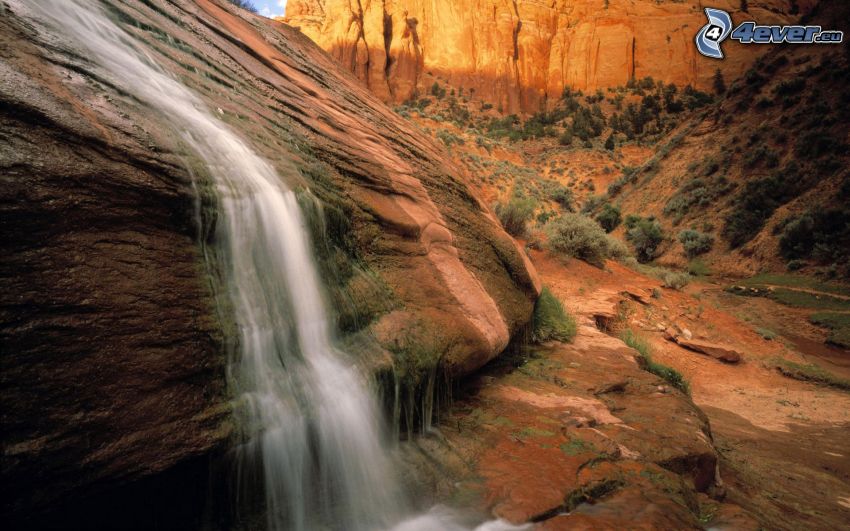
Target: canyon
{"x":520,"y":54}
{"x":241,"y":292}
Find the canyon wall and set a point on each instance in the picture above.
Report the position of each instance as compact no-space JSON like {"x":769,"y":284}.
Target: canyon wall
{"x":114,"y":350}
{"x":518,"y":54}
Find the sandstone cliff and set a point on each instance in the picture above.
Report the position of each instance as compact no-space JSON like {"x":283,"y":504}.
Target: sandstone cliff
{"x":113,"y":366}
{"x":519,"y":53}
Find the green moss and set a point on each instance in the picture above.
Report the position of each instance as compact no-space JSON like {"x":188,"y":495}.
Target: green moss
{"x":838,"y":325}
{"x":803,"y":299}
{"x":795,"y":281}
{"x":527,"y":433}
{"x":698,"y":268}
{"x":551,"y":321}
{"x":811,"y":373}
{"x":577,"y":446}
{"x":671,"y":375}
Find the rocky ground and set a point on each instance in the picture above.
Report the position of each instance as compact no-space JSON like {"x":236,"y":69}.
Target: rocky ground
{"x":578,"y":436}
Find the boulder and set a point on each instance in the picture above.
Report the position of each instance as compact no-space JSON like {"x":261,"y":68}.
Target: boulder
{"x":715,"y":350}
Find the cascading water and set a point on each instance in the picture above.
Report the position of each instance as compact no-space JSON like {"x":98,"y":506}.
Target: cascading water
{"x":311,"y":424}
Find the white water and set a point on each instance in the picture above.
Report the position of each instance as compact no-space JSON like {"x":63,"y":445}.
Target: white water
{"x":310,"y":421}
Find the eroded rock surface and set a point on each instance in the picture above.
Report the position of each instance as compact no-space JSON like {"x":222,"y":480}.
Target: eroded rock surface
{"x":113,"y":365}
{"x":520,"y":53}
{"x":577,"y":436}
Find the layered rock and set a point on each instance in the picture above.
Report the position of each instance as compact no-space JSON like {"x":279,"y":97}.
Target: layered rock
{"x":520,"y":53}
{"x":113,"y":366}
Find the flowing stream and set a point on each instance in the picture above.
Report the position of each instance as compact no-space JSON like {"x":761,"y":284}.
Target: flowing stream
{"x":312,"y":427}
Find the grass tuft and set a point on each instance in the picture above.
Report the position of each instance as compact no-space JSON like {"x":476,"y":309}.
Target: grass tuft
{"x":671,"y":375}
{"x":551,"y":321}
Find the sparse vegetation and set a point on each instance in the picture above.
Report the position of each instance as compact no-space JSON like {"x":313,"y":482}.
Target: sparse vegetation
{"x":671,"y":375}
{"x":561,"y":195}
{"x":795,"y":281}
{"x":757,"y":201}
{"x":551,"y":321}
{"x":822,"y":235}
{"x":578,"y":236}
{"x":698,"y":268}
{"x":767,"y":334}
{"x":515,"y":215}
{"x":609,"y":218}
{"x":699,"y":192}
{"x":838,"y":325}
{"x":646,"y":236}
{"x":695,"y":243}
{"x":811,"y":373}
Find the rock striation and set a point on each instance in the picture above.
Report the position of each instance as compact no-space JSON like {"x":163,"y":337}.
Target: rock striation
{"x":114,"y":347}
{"x":518,"y":54}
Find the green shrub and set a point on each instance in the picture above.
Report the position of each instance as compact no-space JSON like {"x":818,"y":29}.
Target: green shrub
{"x":449,"y":138}
{"x":766,"y":333}
{"x":698,"y":268}
{"x":580,"y":237}
{"x":437,"y":91}
{"x":550,"y":320}
{"x":566,"y":138}
{"x":697,"y":193}
{"x":695,"y":243}
{"x":515,"y":215}
{"x":592,"y":203}
{"x":563,"y":196}
{"x":646,"y":236}
{"x":609,"y":218}
{"x":671,"y":375}
{"x":822,"y":235}
{"x":757,"y":201}
{"x":631,"y":220}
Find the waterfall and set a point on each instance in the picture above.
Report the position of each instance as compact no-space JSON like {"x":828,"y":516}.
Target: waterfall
{"x":311,"y":425}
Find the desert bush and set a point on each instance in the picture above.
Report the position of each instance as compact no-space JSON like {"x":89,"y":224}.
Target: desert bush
{"x":646,"y":236}
{"x":437,"y":91}
{"x":698,"y":268}
{"x":561,"y":195}
{"x":580,"y":237}
{"x":566,"y":138}
{"x":609,"y":218}
{"x":675,"y":279}
{"x":449,"y":138}
{"x":695,"y":243}
{"x":593,"y":203}
{"x":697,"y":193}
{"x":515,"y":215}
{"x":550,"y":320}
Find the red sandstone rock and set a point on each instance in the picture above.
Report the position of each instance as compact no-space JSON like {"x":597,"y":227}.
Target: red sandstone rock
{"x":521,"y":53}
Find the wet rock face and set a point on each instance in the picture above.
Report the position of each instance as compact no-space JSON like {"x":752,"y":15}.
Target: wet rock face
{"x":113,"y":365}
{"x":519,"y":53}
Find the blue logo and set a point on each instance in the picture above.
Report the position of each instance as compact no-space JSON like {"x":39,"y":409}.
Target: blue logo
{"x":712,"y":34}
{"x":719,"y":28}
